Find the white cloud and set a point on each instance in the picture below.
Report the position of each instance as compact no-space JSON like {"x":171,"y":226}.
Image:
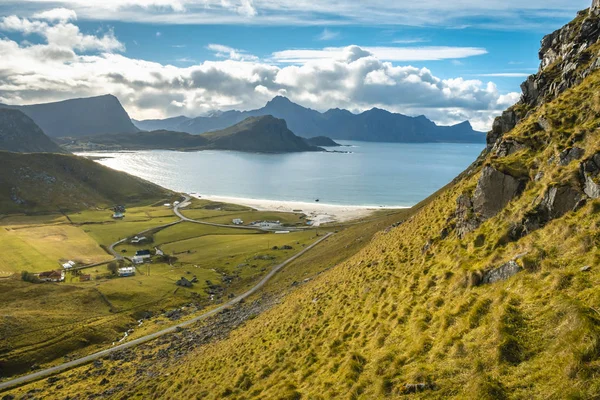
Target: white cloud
{"x":328,"y":35}
{"x":429,"y":53}
{"x":498,"y":14}
{"x":62,"y":34}
{"x":354,"y":78}
{"x":222,"y":51}
{"x":57,"y":14}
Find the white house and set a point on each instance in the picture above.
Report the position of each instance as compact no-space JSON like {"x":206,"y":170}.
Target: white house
{"x":167,"y":205}
{"x":136,"y":239}
{"x":158,"y":252}
{"x":137,"y":259}
{"x":69,"y":264}
{"x":237,"y":221}
{"x":118,"y":215}
{"x":126,"y":271}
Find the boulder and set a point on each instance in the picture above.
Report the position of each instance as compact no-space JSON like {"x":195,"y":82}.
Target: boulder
{"x":590,"y":171}
{"x":595,"y":7}
{"x":502,"y":124}
{"x":559,"y":200}
{"x":494,"y":191}
{"x":569,"y":155}
{"x":507,"y":147}
{"x":501,"y":273}
{"x":466,"y":220}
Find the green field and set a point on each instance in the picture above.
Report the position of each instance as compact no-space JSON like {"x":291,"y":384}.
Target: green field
{"x":85,"y":315}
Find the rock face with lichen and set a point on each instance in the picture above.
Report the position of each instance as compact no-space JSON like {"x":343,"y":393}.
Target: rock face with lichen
{"x":494,"y":191}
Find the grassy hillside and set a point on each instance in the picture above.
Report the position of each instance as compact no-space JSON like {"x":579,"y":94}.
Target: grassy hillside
{"x":54,"y":182}
{"x":412,"y":308}
{"x":19,"y":133}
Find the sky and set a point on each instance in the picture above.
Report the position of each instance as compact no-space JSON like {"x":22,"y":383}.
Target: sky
{"x":448,"y":60}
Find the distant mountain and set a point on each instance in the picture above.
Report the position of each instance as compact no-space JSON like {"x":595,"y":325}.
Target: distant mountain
{"x":169,"y":124}
{"x":80,"y":117}
{"x":265,"y":134}
{"x":18,"y":133}
{"x":45,"y":182}
{"x":374,"y":125}
{"x":322,"y":141}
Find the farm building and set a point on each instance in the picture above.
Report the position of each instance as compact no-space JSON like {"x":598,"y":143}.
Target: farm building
{"x":69,"y":264}
{"x":118,"y":215}
{"x":52,"y":276}
{"x":137,"y":260}
{"x":85,"y":278}
{"x":137,"y":240}
{"x":126,"y":271}
{"x":158,"y":252}
{"x":237,"y":221}
{"x":143,"y":254}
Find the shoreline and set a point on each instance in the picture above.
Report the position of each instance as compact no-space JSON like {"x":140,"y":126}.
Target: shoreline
{"x":319,"y":213}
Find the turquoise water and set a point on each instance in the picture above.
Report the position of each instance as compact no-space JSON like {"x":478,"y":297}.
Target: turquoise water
{"x":374,"y":174}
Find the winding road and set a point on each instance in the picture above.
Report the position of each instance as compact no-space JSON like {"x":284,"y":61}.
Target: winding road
{"x":84,"y":360}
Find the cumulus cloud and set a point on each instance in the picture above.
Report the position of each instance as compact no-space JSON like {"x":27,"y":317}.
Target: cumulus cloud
{"x":57,"y":14}
{"x":62,"y":33}
{"x":355,"y":78}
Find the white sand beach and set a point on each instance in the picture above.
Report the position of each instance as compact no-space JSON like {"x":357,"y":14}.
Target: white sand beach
{"x":319,"y":213}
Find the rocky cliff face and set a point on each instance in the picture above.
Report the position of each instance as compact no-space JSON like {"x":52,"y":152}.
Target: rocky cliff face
{"x":567,"y":56}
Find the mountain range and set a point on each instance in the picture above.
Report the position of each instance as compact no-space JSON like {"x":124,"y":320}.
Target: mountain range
{"x":79,"y":117}
{"x":375,"y":125}
{"x":264,"y":134}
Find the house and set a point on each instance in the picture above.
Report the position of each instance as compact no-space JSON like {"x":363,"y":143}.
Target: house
{"x":281,"y":232}
{"x":168,"y":205}
{"x":118,"y":215}
{"x":126,"y":271}
{"x":85,"y":278}
{"x":137,"y":260}
{"x":158,"y":252}
{"x":237,"y":221}
{"x":137,"y":240}
{"x":52,"y":276}
{"x":145,"y":254}
{"x":69,"y":264}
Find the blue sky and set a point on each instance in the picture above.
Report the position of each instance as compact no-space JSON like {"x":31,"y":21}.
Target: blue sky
{"x":448,"y":60}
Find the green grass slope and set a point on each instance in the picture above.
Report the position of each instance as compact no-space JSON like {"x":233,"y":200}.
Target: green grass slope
{"x":19,"y":133}
{"x":411,"y":307}
{"x":47,"y":182}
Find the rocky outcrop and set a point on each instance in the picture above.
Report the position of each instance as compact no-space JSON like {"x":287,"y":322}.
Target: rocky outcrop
{"x":503,"y":124}
{"x":556,"y":202}
{"x":590,"y":171}
{"x":566,"y":59}
{"x":494,"y":191}
{"x":569,"y":155}
{"x":506,"y":147}
{"x":466,"y":220}
{"x":502,"y":273}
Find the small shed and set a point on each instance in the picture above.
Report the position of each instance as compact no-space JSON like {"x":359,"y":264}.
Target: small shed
{"x":118,"y":215}
{"x":69,"y":264}
{"x":237,"y":221}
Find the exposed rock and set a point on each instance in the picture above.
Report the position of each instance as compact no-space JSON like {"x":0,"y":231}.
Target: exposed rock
{"x":596,"y":6}
{"x":466,"y":220}
{"x":416,"y":387}
{"x":586,"y":268}
{"x":502,"y":124}
{"x":590,"y":171}
{"x":539,"y":176}
{"x":494,"y":191}
{"x":507,"y":147}
{"x":502,"y":273}
{"x":544,"y":124}
{"x":559,"y":200}
{"x":569,"y":155}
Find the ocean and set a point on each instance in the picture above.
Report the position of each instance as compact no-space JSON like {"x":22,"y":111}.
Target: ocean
{"x":370,"y":174}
